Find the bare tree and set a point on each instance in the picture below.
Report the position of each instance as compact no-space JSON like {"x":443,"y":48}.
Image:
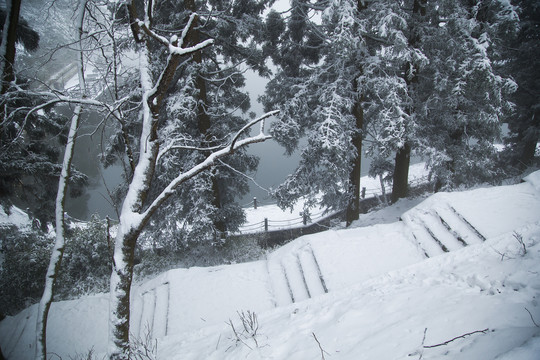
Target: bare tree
{"x":137,"y":208}
{"x":58,"y":249}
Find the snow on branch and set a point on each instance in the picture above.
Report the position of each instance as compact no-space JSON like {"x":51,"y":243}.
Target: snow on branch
{"x":175,"y":146}
{"x":250,"y":124}
{"x":236,"y":143}
{"x":175,"y":45}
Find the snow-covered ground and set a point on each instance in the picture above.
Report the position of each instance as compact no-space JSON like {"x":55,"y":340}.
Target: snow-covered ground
{"x":453,"y":266}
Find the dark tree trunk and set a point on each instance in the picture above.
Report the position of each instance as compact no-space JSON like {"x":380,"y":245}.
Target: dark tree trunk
{"x":529,"y":139}
{"x":400,"y":187}
{"x":353,"y":209}
{"x":527,"y":153}
{"x":12,"y":20}
{"x":203,"y":120}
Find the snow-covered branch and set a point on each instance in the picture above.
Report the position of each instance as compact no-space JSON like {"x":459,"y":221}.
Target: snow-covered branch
{"x":207,"y":163}
{"x":250,"y":124}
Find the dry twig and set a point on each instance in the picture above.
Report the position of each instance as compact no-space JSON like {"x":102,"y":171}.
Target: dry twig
{"x":457,"y":337}
{"x":320,"y":347}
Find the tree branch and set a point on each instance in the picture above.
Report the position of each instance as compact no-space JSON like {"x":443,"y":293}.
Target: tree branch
{"x":207,"y":163}
{"x":457,"y":337}
{"x":247,"y":126}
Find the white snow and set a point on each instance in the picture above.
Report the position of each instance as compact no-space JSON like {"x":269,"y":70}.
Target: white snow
{"x":16,"y":217}
{"x":364,"y":293}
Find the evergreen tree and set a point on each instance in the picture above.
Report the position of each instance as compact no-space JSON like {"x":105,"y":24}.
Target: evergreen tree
{"x":358,"y":90}
{"x":319,"y":92}
{"x":31,"y":132}
{"x":523,"y":53}
{"x":461,"y":98}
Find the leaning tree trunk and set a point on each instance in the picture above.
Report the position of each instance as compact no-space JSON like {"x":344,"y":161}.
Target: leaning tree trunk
{"x":58,"y":249}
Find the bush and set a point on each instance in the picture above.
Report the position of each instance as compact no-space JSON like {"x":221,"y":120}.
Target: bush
{"x":86,"y":265}
{"x":26,"y":255}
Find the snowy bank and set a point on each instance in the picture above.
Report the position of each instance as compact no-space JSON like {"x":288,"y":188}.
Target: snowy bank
{"x":453,"y":265}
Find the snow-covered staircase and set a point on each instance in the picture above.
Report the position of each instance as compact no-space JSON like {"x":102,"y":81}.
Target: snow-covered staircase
{"x":295,"y":276}
{"x":151,"y":307}
{"x":440,"y":229}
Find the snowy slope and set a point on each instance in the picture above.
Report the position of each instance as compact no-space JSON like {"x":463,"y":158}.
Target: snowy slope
{"x":367,"y":292}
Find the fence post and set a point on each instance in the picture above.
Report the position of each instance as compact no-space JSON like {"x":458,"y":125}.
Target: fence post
{"x":266,"y":224}
{"x":255,"y":203}
{"x":363,"y":192}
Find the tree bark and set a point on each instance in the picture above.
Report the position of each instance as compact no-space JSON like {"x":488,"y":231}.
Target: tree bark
{"x":400,"y":187}
{"x":9,"y":38}
{"x":353,"y":209}
{"x":58,"y":249}
{"x":203,"y":120}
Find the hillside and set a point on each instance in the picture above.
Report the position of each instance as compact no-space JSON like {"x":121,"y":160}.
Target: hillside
{"x":454,"y":265}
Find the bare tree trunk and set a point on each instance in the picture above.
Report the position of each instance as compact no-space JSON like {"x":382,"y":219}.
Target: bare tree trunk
{"x":58,"y":249}
{"x":9,"y":38}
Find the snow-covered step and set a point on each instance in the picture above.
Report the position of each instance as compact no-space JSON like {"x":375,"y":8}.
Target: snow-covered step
{"x":296,"y":278}
{"x":468,"y":224}
{"x":422,"y":237}
{"x":438,"y":231}
{"x":146,"y":321}
{"x":281,"y":290}
{"x":161,"y":311}
{"x":458,"y":226}
{"x":312,"y":272}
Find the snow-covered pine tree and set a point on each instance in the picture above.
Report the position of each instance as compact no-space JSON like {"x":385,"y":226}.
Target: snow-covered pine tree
{"x":319,"y":90}
{"x":461,"y":98}
{"x":522,"y":52}
{"x":390,"y":79}
{"x":28,"y":159}
{"x":360,"y":86}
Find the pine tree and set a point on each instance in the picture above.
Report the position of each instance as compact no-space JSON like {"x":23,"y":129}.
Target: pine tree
{"x":319,"y":91}
{"x":523,"y":53}
{"x":359,"y":90}
{"x":461,"y":97}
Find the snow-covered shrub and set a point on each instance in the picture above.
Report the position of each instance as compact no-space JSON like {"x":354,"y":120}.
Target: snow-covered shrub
{"x":206,"y":253}
{"x":25,"y":258}
{"x":86,"y":266}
